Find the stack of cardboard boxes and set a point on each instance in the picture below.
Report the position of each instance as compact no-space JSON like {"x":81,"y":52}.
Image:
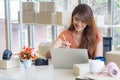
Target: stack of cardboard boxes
{"x":45,"y":13}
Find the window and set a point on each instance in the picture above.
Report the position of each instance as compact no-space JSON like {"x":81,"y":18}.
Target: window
{"x":17,"y":39}
{"x":2,"y":28}
{"x":100,"y":10}
{"x":106,"y":15}
{"x":116,"y":23}
{"x":116,"y":11}
{"x":20,"y":33}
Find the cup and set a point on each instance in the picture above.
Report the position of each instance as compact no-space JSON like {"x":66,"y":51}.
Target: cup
{"x":96,"y":66}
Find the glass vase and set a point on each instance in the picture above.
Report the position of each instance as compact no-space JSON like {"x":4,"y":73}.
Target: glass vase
{"x":27,"y":63}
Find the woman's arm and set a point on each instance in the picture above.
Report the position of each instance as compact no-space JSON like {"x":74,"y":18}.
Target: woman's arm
{"x":58,"y":44}
{"x":99,"y":49}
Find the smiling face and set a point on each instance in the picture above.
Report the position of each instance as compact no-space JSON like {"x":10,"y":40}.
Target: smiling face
{"x":78,"y":24}
{"x":82,"y":18}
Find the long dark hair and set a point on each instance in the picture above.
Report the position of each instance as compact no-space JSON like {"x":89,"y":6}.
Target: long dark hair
{"x":89,"y":38}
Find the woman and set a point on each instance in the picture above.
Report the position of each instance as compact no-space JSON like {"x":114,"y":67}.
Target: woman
{"x":82,"y":33}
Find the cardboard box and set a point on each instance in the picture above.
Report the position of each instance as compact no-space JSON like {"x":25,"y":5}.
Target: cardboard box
{"x":80,"y":69}
{"x":29,"y":6}
{"x":6,"y":64}
{"x":117,"y":48}
{"x":43,"y":48}
{"x":45,"y":18}
{"x":27,"y":17}
{"x":113,"y":56}
{"x":47,"y":6}
{"x":63,"y":18}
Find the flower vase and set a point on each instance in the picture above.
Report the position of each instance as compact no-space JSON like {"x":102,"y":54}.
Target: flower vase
{"x":27,"y":63}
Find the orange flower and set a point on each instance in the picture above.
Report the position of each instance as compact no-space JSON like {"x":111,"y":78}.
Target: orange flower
{"x":28,"y":53}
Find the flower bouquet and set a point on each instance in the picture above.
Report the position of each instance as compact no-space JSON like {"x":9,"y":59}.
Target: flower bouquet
{"x":27,"y":55}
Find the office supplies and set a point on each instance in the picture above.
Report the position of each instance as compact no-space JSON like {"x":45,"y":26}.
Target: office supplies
{"x":7,"y":54}
{"x":113,"y":69}
{"x":40,"y":62}
{"x":84,"y":78}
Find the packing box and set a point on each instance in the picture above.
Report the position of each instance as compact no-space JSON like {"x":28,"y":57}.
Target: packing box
{"x":80,"y":69}
{"x":29,"y":6}
{"x":45,"y":18}
{"x":47,"y":6}
{"x":27,"y":17}
{"x":113,"y":56}
{"x":6,"y":64}
{"x":43,"y":48}
{"x":63,"y":18}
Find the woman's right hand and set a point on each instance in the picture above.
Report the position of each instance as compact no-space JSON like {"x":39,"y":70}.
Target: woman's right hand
{"x":66,"y":44}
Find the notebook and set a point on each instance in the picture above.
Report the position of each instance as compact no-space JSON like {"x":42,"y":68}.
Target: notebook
{"x":64,"y":58}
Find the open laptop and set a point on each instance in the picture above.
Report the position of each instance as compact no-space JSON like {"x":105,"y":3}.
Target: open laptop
{"x":64,"y":58}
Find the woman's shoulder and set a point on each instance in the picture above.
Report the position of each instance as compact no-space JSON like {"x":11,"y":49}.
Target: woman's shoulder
{"x":99,"y":35}
{"x":66,"y":32}
{"x":98,"y":32}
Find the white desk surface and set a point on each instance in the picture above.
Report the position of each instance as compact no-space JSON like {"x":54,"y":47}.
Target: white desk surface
{"x":37,"y":73}
{"x":43,"y":73}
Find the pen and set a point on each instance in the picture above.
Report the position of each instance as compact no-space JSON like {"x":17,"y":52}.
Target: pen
{"x":66,"y":42}
{"x":64,"y":37}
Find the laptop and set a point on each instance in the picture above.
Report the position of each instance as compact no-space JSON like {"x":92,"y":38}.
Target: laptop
{"x":64,"y":58}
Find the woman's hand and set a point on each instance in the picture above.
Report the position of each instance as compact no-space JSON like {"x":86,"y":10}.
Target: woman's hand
{"x":66,"y":44}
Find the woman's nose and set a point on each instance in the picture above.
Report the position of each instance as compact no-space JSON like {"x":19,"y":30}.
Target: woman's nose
{"x":79,"y":23}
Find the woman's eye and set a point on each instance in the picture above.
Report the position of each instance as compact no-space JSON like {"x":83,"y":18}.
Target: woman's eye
{"x":76,"y":19}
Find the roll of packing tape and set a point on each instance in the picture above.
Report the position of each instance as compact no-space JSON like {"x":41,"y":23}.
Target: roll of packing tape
{"x":113,"y":69}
